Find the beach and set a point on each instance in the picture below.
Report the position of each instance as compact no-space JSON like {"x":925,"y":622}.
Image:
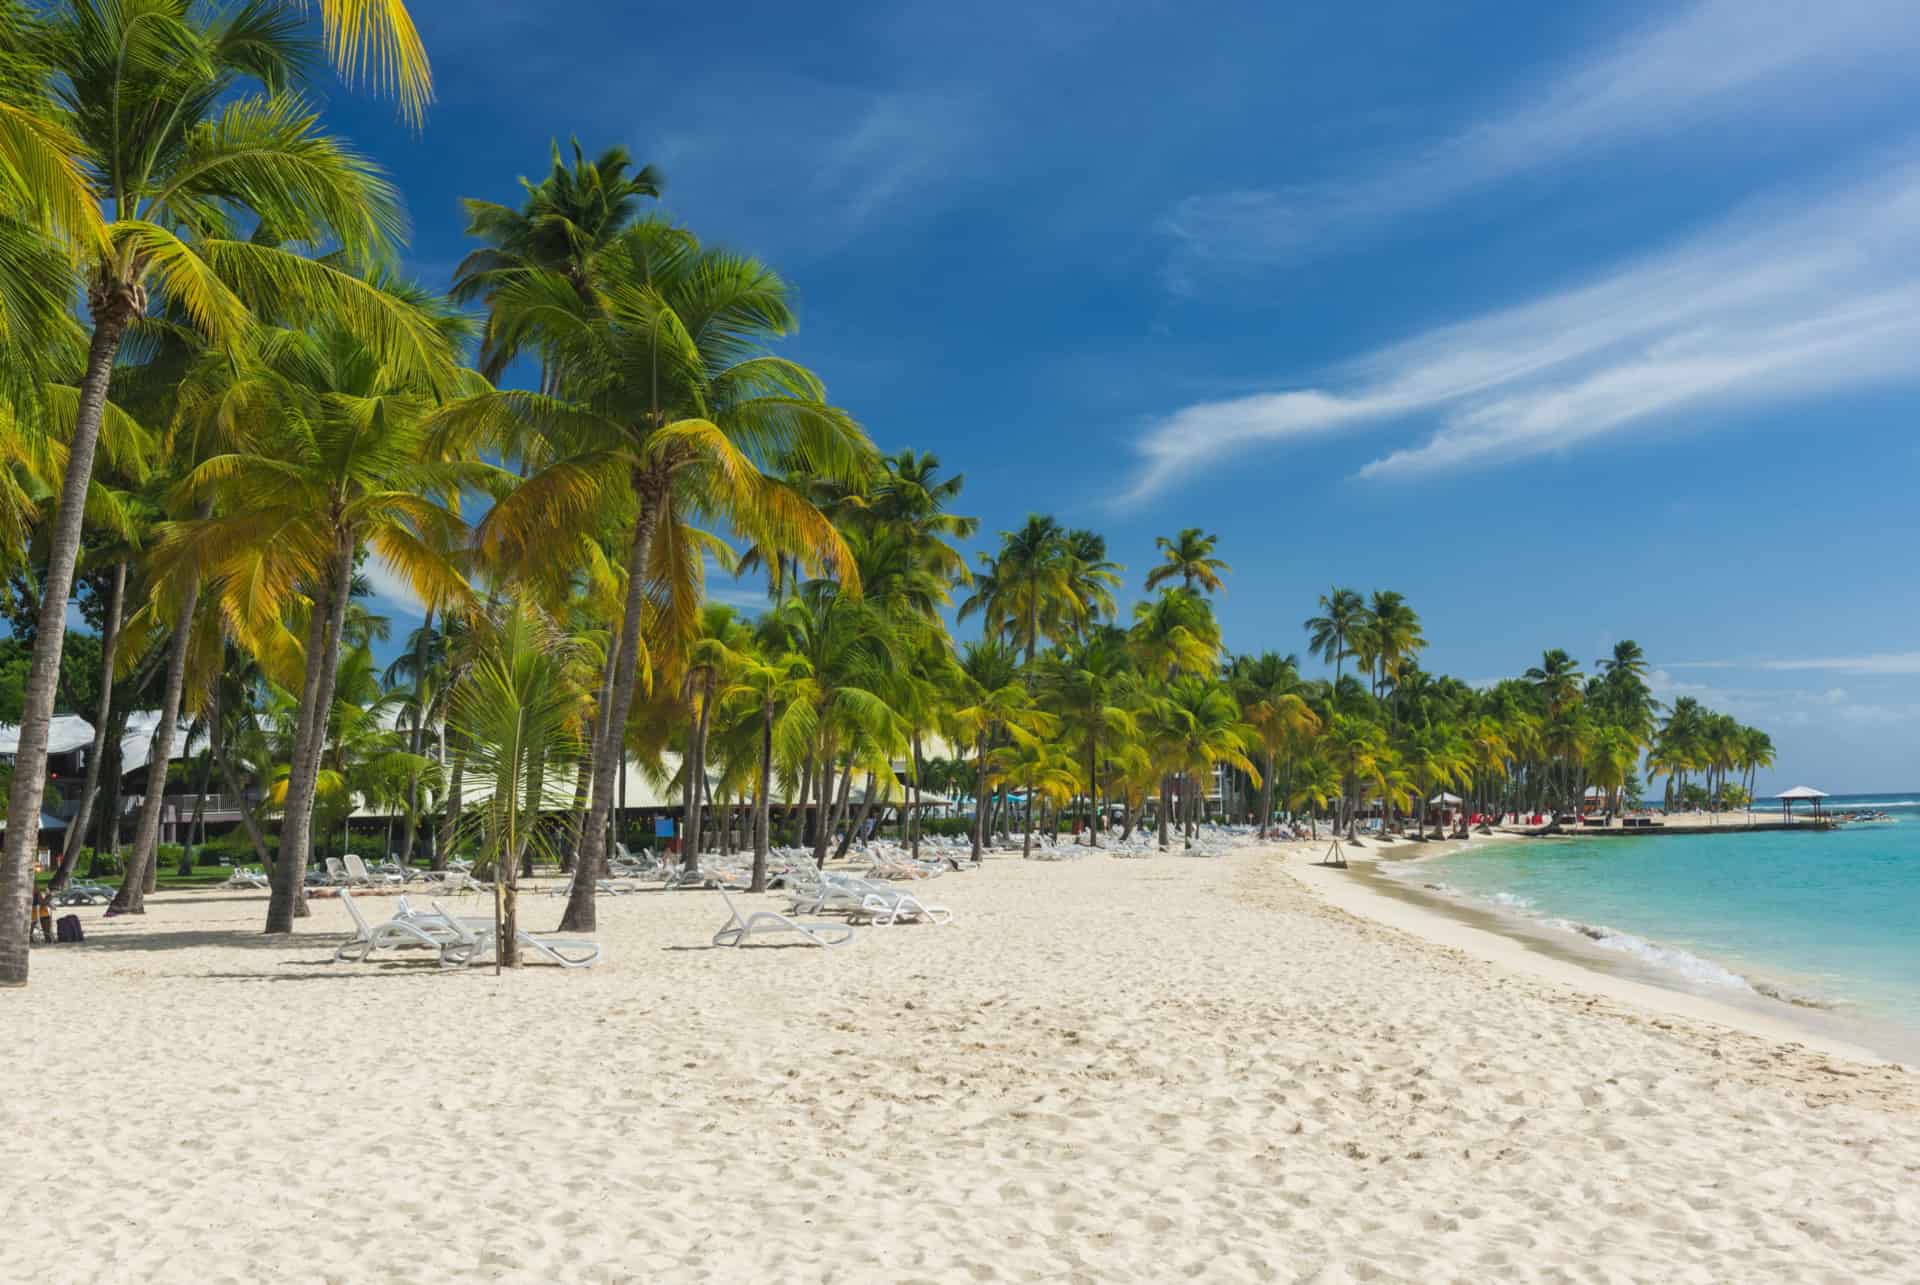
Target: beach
{"x":1242,"y":1068}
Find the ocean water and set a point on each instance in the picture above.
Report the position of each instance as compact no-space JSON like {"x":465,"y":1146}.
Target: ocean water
{"x":1822,"y":923}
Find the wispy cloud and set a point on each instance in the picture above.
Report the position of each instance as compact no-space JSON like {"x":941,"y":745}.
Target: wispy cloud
{"x":828,"y":161}
{"x":1887,"y":662}
{"x":1773,"y":709}
{"x":1708,"y":62}
{"x":1770,"y":304}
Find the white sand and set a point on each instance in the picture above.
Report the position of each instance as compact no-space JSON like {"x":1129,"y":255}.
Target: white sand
{"x":1106,"y":1070}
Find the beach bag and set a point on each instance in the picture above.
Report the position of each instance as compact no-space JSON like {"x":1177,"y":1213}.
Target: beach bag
{"x":67,"y":928}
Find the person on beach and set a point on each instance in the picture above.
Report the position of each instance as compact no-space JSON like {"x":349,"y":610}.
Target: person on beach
{"x":42,"y":915}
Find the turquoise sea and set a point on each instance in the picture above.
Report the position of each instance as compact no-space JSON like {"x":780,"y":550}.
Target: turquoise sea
{"x":1825,"y":924}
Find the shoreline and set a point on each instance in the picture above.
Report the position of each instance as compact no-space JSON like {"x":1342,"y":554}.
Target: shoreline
{"x":1363,"y":889}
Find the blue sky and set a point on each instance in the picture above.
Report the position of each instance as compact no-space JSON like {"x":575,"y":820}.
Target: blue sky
{"x":1571,"y":322}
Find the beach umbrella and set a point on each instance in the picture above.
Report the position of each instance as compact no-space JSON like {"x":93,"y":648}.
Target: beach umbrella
{"x":1445,"y":799}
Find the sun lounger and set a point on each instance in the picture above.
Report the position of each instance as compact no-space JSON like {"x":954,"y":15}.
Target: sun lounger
{"x":477,"y":936}
{"x":358,"y":873}
{"x":403,"y":930}
{"x":737,"y":930}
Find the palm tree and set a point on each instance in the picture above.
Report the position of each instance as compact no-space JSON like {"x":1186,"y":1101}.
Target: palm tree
{"x":991,"y":700}
{"x":1091,"y":578}
{"x":1268,"y":687}
{"x":1209,"y":733}
{"x":1083,"y":687}
{"x":1332,"y":633}
{"x":667,"y":405}
{"x":1393,"y":634}
{"x":711,"y":659}
{"x":166,"y":132}
{"x":775,"y":688}
{"x":1557,"y":678}
{"x":1189,"y":558}
{"x":1025,"y":592}
{"x":520,"y":714}
{"x":350,"y":466}
{"x":567,"y":224}
{"x":1039,"y":767}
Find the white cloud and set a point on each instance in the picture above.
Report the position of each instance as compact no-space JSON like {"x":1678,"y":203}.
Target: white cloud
{"x":1772,"y":709}
{"x":1891,"y":662}
{"x":392,"y":589}
{"x":1770,"y":304}
{"x":1750,"y":57}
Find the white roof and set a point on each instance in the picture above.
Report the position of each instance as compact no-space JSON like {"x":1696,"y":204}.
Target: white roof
{"x":69,"y":732}
{"x":136,"y":747}
{"x":65,"y":734}
{"x":1801,"y":792}
{"x":1444,"y":797}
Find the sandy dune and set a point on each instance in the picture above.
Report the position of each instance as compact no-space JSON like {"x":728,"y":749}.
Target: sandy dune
{"x":1144,"y":1070}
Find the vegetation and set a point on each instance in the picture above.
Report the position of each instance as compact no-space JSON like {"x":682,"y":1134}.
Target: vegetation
{"x":252,"y":412}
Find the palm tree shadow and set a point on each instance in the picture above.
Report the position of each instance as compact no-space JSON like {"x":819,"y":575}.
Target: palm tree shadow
{"x":179,"y":938}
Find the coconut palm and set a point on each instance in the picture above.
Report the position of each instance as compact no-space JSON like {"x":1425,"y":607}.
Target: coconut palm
{"x":667,"y":405}
{"x":1025,"y":592}
{"x":990,"y":701}
{"x":1084,"y":688}
{"x":350,"y":466}
{"x":1557,"y":678}
{"x":1091,"y":578}
{"x":520,"y":713}
{"x":567,"y":224}
{"x":1341,"y":622}
{"x":186,"y":127}
{"x":1188,"y":558}
{"x":1393,"y":635}
{"x":1268,"y":688}
{"x":775,"y":689}
{"x":1039,"y":767}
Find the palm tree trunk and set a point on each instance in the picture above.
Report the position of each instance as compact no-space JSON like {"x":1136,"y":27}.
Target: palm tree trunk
{"x":845,"y":799}
{"x":800,"y":803}
{"x":980,"y":799}
{"x":103,"y":711}
{"x":866,"y":810}
{"x":609,"y":744}
{"x":1026,"y":824}
{"x":416,"y":738}
{"x":131,"y":899}
{"x":217,"y":743}
{"x":113,"y":305}
{"x":762,"y":800}
{"x":1166,"y":803}
{"x":823,"y":810}
{"x":443,"y":834}
{"x":914,"y":815}
{"x":1266,"y":798}
{"x":197,"y":825}
{"x":695,"y":771}
{"x":310,"y":730}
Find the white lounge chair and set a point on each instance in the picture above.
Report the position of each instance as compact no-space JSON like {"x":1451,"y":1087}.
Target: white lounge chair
{"x":478,"y":936}
{"x":737,"y":930}
{"x":857,"y":898}
{"x":404,"y":930}
{"x":357,"y":872}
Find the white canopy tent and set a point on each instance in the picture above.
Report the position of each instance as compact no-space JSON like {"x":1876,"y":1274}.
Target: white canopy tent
{"x":1445,"y":799}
